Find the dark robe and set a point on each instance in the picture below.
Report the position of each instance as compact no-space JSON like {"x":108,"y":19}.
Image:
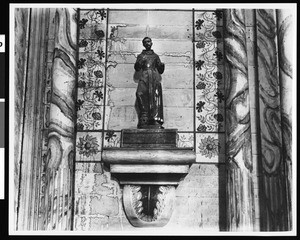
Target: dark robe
{"x":149,"y":91}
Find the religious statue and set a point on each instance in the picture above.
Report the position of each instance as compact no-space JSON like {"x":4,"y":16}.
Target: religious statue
{"x":149,"y":91}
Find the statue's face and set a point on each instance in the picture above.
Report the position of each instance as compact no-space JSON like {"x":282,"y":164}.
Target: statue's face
{"x":147,"y":43}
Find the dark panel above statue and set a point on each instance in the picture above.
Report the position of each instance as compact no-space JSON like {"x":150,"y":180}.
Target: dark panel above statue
{"x":154,"y":138}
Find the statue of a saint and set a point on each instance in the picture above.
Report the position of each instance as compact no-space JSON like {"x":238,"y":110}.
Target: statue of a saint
{"x":149,"y":91}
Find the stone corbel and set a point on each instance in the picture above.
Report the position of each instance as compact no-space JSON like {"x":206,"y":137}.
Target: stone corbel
{"x":149,"y":166}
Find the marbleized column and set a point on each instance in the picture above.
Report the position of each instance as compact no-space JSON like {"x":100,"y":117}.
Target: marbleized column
{"x":240,"y":215}
{"x":59,"y":164}
{"x":275,"y":127}
{"x":285,"y":27}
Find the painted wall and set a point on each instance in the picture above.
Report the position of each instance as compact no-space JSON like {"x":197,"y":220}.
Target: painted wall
{"x":191,"y":46}
{"x":200,"y":77}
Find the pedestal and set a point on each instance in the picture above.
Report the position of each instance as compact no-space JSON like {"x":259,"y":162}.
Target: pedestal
{"x":149,"y":165}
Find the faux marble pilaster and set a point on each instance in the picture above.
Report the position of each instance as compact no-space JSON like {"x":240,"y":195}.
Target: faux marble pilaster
{"x":273,"y":189}
{"x":62,"y":105}
{"x":285,"y":27}
{"x":30,"y":115}
{"x":240,"y":215}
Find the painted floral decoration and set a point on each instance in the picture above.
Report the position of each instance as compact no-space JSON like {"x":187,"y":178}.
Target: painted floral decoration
{"x":201,"y":85}
{"x":218,"y":14}
{"x":201,"y":76}
{"x":200,"y":36}
{"x":110,"y":135}
{"x":98,"y":94}
{"x":81,"y":63}
{"x":201,"y":128}
{"x":101,"y":54}
{"x":200,"y":44}
{"x":98,"y":74}
{"x":199,"y":64}
{"x":88,"y":145}
{"x":83,"y":43}
{"x":99,"y":33}
{"x":79,"y":126}
{"x":200,"y":105}
{"x":81,"y":84}
{"x":82,"y":23}
{"x":78,"y":104}
{"x":199,"y":23}
{"x":96,"y":116}
{"x":102,"y":14}
{"x":209,"y":147}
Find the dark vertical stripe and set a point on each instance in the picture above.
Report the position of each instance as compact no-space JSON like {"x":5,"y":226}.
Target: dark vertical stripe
{"x":75,"y":132}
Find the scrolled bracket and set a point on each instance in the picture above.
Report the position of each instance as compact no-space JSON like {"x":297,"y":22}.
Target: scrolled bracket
{"x":148,"y":206}
{"x":149,"y":166}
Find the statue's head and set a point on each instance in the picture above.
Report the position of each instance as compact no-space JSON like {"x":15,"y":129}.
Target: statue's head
{"x":147,"y":43}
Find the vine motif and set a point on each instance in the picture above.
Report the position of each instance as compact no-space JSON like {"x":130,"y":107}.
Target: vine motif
{"x":209,"y":98}
{"x":185,"y":141}
{"x":90,"y":105}
{"x":95,"y":16}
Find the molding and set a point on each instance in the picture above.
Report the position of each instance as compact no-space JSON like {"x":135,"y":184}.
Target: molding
{"x":33,"y":122}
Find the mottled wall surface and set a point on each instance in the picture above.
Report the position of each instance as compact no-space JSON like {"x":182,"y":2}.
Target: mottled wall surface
{"x":199,"y":204}
{"x":190,"y":43}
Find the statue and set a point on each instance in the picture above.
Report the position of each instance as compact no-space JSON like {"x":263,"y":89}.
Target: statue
{"x":149,"y":92}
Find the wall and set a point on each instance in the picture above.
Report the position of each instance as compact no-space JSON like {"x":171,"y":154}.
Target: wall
{"x":190,"y":44}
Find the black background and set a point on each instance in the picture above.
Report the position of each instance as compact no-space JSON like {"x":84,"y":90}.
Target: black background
{"x":4,"y":24}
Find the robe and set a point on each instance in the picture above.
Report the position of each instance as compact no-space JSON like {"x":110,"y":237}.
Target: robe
{"x":149,"y":90}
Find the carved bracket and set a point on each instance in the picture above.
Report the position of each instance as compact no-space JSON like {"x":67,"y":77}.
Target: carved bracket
{"x":148,"y":206}
{"x":149,"y":166}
